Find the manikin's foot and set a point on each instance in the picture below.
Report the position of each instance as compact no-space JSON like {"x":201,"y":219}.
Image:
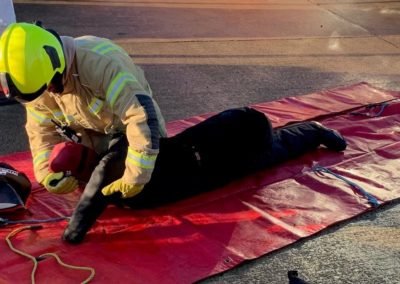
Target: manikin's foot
{"x":331,"y":138}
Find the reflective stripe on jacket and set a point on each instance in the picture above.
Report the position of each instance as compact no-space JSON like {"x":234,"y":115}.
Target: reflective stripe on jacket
{"x":104,"y":93}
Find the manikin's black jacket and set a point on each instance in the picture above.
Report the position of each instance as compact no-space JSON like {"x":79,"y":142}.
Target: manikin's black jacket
{"x":220,"y":149}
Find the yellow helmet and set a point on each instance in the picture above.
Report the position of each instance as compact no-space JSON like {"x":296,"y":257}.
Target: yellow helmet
{"x":30,"y":56}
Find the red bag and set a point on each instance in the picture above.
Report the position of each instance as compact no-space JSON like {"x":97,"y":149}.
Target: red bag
{"x":76,"y":158}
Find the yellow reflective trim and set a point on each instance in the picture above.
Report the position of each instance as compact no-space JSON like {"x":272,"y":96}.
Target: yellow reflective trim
{"x":116,"y":86}
{"x":141,"y":160}
{"x":41,"y":157}
{"x":58,"y":114}
{"x":96,"y":105}
{"x":106,"y":47}
{"x":102,"y":48}
{"x":38,"y":116}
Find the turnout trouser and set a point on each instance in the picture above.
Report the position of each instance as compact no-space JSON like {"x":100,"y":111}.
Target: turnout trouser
{"x":212,"y":153}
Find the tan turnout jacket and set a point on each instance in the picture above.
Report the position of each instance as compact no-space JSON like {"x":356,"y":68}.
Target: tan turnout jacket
{"x":104,"y":93}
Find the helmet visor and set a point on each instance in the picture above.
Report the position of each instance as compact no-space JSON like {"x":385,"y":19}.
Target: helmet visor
{"x":11,"y":91}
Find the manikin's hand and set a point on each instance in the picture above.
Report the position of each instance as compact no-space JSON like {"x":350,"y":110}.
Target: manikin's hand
{"x":60,"y":183}
{"x":127,"y":190}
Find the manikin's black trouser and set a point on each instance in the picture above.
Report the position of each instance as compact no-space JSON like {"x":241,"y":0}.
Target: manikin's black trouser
{"x":220,"y":149}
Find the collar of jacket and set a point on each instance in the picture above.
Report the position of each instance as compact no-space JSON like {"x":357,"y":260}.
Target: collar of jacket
{"x":69,"y":54}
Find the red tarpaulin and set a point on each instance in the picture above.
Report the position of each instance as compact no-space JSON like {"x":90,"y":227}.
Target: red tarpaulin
{"x":213,"y":232}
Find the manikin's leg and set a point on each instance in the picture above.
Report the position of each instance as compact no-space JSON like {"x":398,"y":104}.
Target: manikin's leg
{"x":297,"y":139}
{"x":92,"y":202}
{"x":303,"y":137}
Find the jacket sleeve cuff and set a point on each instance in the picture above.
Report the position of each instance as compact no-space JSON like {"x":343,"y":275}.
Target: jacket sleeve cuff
{"x":138,"y":167}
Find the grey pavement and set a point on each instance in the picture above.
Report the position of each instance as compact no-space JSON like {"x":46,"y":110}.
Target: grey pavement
{"x":205,"y":56}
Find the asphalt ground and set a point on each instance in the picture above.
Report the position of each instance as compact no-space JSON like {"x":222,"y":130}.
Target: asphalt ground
{"x":206,"y":56}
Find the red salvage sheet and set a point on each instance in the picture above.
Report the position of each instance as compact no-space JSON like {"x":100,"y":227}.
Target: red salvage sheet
{"x":210,"y":233}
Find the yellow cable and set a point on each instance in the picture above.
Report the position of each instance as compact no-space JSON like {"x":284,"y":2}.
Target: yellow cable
{"x":92,"y":271}
{"x":35,"y":262}
{"x":8,"y":240}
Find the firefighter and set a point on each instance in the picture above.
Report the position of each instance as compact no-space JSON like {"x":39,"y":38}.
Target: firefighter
{"x":90,"y":85}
